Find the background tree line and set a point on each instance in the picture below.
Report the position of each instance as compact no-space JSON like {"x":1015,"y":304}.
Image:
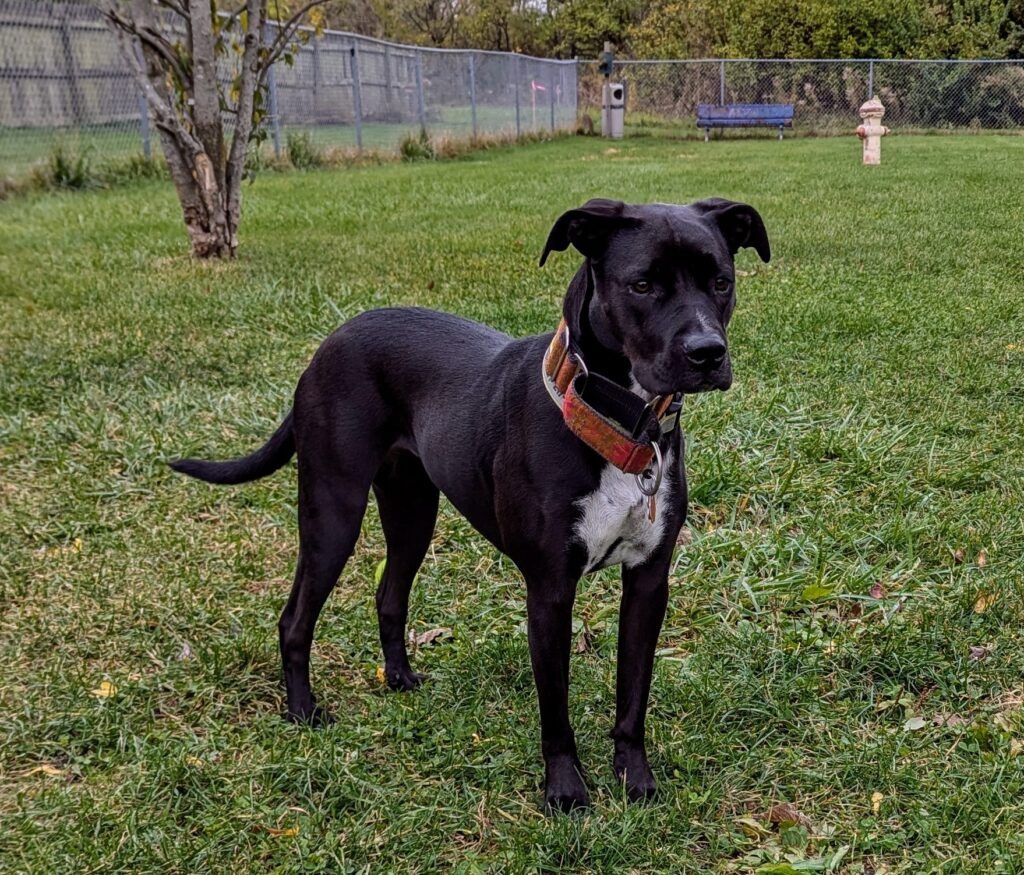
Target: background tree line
{"x":699,"y":28}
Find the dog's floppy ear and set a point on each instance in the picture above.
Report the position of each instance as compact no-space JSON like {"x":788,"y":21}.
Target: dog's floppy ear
{"x":740,"y":225}
{"x":587,"y":228}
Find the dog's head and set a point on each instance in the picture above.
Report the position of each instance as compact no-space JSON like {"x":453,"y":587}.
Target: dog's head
{"x":659,"y":285}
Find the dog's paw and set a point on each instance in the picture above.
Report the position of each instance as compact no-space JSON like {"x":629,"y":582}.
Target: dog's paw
{"x":315,"y":717}
{"x":632,"y":770}
{"x":404,"y":680}
{"x":564,"y":790}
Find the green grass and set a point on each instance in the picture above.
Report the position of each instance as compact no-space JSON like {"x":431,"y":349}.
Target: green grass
{"x":873,"y":431}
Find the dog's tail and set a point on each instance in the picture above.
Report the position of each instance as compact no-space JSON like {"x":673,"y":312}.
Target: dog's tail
{"x":266,"y":460}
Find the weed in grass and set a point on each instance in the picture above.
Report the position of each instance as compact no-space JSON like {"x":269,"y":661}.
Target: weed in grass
{"x":416,"y":147}
{"x":69,"y":168}
{"x":302,"y":153}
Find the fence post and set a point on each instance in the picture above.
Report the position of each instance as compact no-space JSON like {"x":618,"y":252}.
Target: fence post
{"x":515,"y":77}
{"x":316,"y":80}
{"x":357,"y":96}
{"x":387,"y":81}
{"x":721,"y":83}
{"x":421,"y":105}
{"x":71,"y":72}
{"x":551,"y":93}
{"x":871,"y":79}
{"x":472,"y":89}
{"x":147,"y":146}
{"x":275,"y":122}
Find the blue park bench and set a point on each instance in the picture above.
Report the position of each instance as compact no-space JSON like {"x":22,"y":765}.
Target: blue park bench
{"x":744,"y":115}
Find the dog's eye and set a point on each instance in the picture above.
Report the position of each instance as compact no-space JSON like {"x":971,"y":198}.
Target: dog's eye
{"x":722,"y":284}
{"x":642,"y":287}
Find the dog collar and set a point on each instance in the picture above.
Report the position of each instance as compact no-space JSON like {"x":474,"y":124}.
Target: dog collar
{"x":614,"y":422}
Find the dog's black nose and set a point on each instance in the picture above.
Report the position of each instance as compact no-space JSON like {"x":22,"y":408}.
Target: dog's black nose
{"x":705,"y":350}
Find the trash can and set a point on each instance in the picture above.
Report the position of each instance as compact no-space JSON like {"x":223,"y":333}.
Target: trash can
{"x":613,"y":110}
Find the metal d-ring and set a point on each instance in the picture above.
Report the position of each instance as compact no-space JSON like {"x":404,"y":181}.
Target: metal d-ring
{"x":654,"y":471}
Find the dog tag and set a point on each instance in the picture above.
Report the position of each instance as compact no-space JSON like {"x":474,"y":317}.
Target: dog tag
{"x":652,"y":507}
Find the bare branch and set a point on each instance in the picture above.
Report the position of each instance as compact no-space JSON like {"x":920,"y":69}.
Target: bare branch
{"x":150,"y":38}
{"x":249,"y":82}
{"x":284,"y":34}
{"x":174,"y":6}
{"x":164,"y":116}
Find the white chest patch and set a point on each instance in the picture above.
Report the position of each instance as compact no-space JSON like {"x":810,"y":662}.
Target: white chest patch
{"x":614,"y":525}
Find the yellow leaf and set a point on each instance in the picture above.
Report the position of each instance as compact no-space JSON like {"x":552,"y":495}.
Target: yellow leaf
{"x":380,"y":675}
{"x":876,"y":802}
{"x":752,"y":828}
{"x":47,"y":769}
{"x":105,"y":690}
{"x":476,"y":738}
{"x":984,"y":602}
{"x":194,"y":761}
{"x":1016,"y":747}
{"x":283,"y":833}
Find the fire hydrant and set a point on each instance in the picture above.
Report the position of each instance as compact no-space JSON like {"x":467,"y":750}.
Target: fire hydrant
{"x":872,"y":130}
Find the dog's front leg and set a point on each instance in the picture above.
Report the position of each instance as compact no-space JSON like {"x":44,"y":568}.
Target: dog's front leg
{"x":644,"y":599}
{"x":549,"y":610}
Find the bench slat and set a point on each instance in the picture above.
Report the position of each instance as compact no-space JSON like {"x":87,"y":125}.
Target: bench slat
{"x":754,"y":113}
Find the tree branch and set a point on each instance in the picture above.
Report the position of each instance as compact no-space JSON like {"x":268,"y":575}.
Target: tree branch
{"x":149,"y":37}
{"x":284,"y":34}
{"x":164,"y":116}
{"x":174,"y":6}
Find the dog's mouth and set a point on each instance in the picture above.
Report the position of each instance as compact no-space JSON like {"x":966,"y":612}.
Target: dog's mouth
{"x":689,"y":382}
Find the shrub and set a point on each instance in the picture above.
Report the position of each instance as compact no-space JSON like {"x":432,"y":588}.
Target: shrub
{"x":416,"y":147}
{"x":68,"y":168}
{"x":302,"y":152}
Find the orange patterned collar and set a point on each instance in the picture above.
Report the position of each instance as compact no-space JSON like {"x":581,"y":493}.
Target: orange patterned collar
{"x":608,"y":418}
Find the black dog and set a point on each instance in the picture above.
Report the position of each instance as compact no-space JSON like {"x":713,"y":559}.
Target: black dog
{"x":410,"y":403}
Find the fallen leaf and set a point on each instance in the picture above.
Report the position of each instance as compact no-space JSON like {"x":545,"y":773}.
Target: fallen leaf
{"x":476,"y":738}
{"x":282,"y":833}
{"x":982,"y":559}
{"x":950,"y":720}
{"x":752,"y":828}
{"x":815,"y":592}
{"x":984,"y":602}
{"x":1016,"y":747}
{"x":980,"y":651}
{"x":429,"y":637}
{"x":105,"y":690}
{"x":915,"y":723}
{"x":787,"y":812}
{"x":878,"y":591}
{"x":46,"y":769}
{"x":381,"y":678}
{"x":958,"y":555}
{"x":195,"y":762}
{"x":876,"y":802}
{"x":586,"y":639}
{"x":185,"y":652}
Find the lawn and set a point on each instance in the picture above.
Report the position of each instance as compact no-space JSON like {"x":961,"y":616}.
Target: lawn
{"x":846,"y":619}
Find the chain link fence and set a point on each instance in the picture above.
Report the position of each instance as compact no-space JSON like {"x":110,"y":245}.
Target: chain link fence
{"x":662,"y":96}
{"x":63,"y":82}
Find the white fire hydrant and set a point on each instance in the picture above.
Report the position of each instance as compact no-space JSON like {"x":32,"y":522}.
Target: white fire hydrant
{"x":872,"y":130}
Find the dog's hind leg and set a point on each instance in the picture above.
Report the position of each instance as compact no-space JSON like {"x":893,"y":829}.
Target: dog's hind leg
{"x":330,"y":513}
{"x":407,"y":501}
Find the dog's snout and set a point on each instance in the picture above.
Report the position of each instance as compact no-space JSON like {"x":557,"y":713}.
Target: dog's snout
{"x":705,"y":350}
